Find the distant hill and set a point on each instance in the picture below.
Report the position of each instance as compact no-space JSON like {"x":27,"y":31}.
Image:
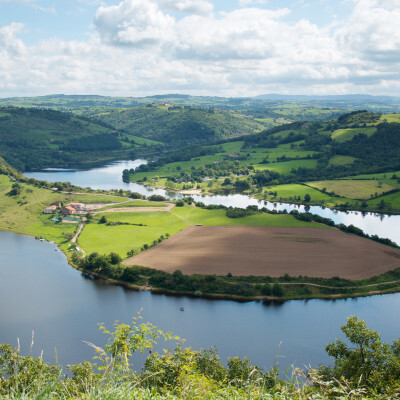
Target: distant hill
{"x":272,"y":109}
{"x":32,"y":138}
{"x":180,"y":125}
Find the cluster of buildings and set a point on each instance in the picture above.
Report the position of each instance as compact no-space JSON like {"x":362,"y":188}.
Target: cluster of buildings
{"x":69,"y":209}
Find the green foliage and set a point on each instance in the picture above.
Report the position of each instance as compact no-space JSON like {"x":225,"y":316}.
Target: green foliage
{"x":93,"y":143}
{"x":368,"y":360}
{"x":123,"y":342}
{"x":367,"y":369}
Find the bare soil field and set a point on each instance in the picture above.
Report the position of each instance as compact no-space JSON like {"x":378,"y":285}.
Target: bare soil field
{"x":273,"y":251}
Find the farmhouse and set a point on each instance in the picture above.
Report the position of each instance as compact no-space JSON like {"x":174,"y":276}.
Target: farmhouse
{"x":77,"y":206}
{"x":68,"y":210}
{"x":50,"y":210}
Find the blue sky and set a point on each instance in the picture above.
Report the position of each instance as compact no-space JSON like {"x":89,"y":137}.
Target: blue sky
{"x":200,"y":47}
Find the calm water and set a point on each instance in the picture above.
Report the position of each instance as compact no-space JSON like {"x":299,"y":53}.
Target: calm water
{"x":39,"y":291}
{"x":110,"y":177}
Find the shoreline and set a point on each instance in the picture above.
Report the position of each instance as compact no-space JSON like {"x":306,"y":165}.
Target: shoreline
{"x":215,"y":296}
{"x":254,"y":196}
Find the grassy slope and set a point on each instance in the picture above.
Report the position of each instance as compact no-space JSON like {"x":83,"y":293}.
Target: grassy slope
{"x":28,"y":218}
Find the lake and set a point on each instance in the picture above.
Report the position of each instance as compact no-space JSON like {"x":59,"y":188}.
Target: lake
{"x":39,"y":291}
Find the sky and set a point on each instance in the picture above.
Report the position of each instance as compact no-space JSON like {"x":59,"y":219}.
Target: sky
{"x":230,"y":48}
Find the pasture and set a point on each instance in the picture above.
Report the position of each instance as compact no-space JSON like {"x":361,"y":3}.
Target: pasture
{"x":353,"y":189}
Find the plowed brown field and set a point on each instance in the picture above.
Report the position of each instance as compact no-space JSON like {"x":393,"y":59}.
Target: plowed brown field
{"x":273,"y":251}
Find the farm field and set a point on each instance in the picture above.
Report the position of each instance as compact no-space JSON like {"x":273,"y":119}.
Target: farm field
{"x":291,"y":192}
{"x":391,"y":202}
{"x":103,"y":238}
{"x":353,"y":189}
{"x":269,"y":251}
{"x":285,"y":167}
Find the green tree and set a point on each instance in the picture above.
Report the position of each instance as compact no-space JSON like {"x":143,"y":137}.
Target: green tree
{"x":103,"y":220}
{"x":307,"y":198}
{"x":16,"y":189}
{"x":266,"y":290}
{"x":277,"y":290}
{"x":367,"y":361}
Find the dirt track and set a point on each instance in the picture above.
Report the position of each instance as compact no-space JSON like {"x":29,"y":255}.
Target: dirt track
{"x":273,"y":251}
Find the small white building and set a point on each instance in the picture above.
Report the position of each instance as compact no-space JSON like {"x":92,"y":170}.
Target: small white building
{"x":50,"y":210}
{"x":77,"y":206}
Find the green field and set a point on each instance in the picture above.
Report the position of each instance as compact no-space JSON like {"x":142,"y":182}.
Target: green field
{"x":390,"y":118}
{"x":341,"y":160}
{"x":342,"y":135}
{"x":104,"y":238}
{"x":391,"y":202}
{"x":290,"y":192}
{"x":122,"y":238}
{"x":353,"y":189}
{"x":23,"y":213}
{"x":382,"y":176}
{"x":135,"y":203}
{"x":285,"y":167}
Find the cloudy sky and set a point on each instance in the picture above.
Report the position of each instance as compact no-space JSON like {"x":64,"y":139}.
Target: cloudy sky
{"x":199,"y":47}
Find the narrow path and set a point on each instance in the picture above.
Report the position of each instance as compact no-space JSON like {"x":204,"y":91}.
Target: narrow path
{"x":169,"y":207}
{"x":75,"y":238}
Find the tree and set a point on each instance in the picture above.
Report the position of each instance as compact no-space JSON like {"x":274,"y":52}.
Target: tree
{"x":16,"y":189}
{"x":307,"y":198}
{"x":103,"y":220}
{"x":114,"y":258}
{"x":266,"y":290}
{"x":368,"y":360}
{"x":277,"y":290}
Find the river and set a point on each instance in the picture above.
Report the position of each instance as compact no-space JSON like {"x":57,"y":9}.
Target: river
{"x":39,"y":291}
{"x":110,"y":177}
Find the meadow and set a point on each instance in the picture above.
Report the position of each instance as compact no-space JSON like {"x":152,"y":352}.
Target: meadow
{"x":353,"y":189}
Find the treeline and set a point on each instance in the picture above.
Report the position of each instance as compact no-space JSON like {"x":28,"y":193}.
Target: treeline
{"x":93,"y":143}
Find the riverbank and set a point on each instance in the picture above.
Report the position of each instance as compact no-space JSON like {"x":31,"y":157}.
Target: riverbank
{"x":27,"y":218}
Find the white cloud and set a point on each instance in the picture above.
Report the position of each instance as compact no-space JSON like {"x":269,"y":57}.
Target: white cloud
{"x":200,"y":7}
{"x":372,"y":32}
{"x":139,"y":48}
{"x":133,"y":23}
{"x":245,"y":3}
{"x":9,"y":43}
